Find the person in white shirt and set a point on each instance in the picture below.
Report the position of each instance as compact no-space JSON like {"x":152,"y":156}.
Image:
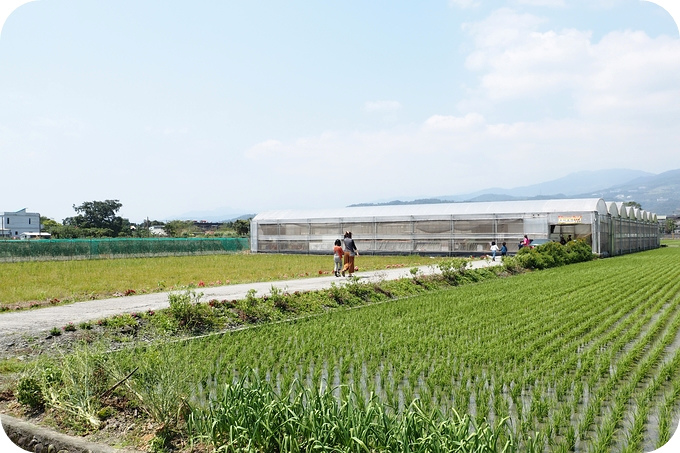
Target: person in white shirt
{"x":494,"y":249}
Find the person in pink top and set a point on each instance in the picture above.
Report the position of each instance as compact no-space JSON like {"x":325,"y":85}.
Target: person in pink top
{"x":337,"y":257}
{"x":525,"y":241}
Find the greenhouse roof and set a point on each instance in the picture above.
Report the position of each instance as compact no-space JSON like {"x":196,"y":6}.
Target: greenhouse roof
{"x":442,"y":209}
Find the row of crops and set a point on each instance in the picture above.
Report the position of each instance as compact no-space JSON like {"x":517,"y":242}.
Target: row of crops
{"x":583,"y":357}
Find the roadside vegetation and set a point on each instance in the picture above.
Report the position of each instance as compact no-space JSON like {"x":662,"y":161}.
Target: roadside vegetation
{"x":571,"y":358}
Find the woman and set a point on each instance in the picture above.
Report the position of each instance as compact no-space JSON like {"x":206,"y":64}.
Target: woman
{"x":350,"y":252}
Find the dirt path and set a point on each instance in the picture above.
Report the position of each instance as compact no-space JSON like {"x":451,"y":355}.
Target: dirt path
{"x":35,"y":321}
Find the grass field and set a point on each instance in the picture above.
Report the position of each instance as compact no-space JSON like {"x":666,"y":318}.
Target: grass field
{"x":583,"y":358}
{"x":42,"y":281}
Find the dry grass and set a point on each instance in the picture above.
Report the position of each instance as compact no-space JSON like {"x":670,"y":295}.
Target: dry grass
{"x":28,"y":282}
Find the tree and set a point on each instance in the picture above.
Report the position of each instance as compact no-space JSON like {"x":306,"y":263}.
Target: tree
{"x":99,"y":215}
{"x":242,"y":227}
{"x":634,"y":204}
{"x":181,"y":228}
{"x":47,"y":224}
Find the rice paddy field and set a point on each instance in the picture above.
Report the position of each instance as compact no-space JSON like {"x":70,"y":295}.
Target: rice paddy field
{"x":582,"y":358}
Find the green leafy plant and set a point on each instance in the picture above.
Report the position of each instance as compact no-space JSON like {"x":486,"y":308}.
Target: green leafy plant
{"x":29,"y":392}
{"x":188,"y":312}
{"x":452,"y":269}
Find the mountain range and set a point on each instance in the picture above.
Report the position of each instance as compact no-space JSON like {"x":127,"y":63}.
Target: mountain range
{"x":215,"y":215}
{"x":658,"y":193}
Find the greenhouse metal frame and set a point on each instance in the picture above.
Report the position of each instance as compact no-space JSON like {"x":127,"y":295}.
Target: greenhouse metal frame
{"x":457,"y":228}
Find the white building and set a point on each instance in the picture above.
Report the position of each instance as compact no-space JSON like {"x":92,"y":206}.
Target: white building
{"x":15,"y":224}
{"x":157,"y":230}
{"x":457,"y":228}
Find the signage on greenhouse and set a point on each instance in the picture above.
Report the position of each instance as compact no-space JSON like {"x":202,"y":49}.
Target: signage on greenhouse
{"x":567,"y":219}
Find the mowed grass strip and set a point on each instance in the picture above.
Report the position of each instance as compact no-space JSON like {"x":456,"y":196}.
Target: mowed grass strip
{"x":26,"y":282}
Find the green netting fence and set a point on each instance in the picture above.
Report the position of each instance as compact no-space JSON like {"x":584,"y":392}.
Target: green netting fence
{"x":64,"y":249}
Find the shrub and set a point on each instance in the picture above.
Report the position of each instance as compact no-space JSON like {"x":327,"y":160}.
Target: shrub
{"x":557,"y":251}
{"x":578,"y":251}
{"x":532,"y":258}
{"x":279,"y":299}
{"x":453,"y":268}
{"x":553,"y":254}
{"x":361,"y":291}
{"x":187,"y":310}
{"x":338,"y":294}
{"x":122,"y":320}
{"x":512,"y":264}
{"x":29,"y":393}
{"x":253,"y":309}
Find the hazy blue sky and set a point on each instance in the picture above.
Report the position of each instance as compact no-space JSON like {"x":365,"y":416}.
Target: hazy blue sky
{"x":238,"y":106}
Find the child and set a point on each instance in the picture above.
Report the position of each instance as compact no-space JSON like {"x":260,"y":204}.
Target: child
{"x":337,"y":257}
{"x":504,"y":249}
{"x":494,"y":249}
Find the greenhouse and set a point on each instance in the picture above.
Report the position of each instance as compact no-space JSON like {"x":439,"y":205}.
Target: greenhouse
{"x":457,"y":228}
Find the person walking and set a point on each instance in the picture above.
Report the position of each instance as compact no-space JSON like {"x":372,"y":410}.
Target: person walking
{"x":494,"y":249}
{"x":504,"y":249}
{"x":350,"y":252}
{"x":338,"y":254}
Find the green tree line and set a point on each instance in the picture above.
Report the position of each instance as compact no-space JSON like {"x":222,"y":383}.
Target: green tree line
{"x":100,"y":219}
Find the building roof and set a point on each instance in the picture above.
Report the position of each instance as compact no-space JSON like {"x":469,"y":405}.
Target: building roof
{"x":441,"y":209}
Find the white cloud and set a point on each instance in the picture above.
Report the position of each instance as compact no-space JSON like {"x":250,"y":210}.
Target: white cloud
{"x":631,"y":74}
{"x":548,"y":3}
{"x":174,"y":131}
{"x":265,"y":149}
{"x":382,"y":106}
{"x":625,"y":73}
{"x":504,"y":27}
{"x":447,"y":122}
{"x":468,"y":147}
{"x":464,"y":3}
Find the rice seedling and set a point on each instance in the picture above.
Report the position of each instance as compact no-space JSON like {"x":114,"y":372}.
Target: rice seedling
{"x":545,"y":360}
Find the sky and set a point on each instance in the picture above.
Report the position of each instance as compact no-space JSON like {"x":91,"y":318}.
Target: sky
{"x":236,"y":107}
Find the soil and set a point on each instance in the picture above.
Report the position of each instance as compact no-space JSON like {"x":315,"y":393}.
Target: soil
{"x":126,"y":427}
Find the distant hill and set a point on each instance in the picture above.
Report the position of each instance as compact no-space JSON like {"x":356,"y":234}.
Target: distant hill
{"x":216,"y":215}
{"x":656,"y":193}
{"x":568,"y":186}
